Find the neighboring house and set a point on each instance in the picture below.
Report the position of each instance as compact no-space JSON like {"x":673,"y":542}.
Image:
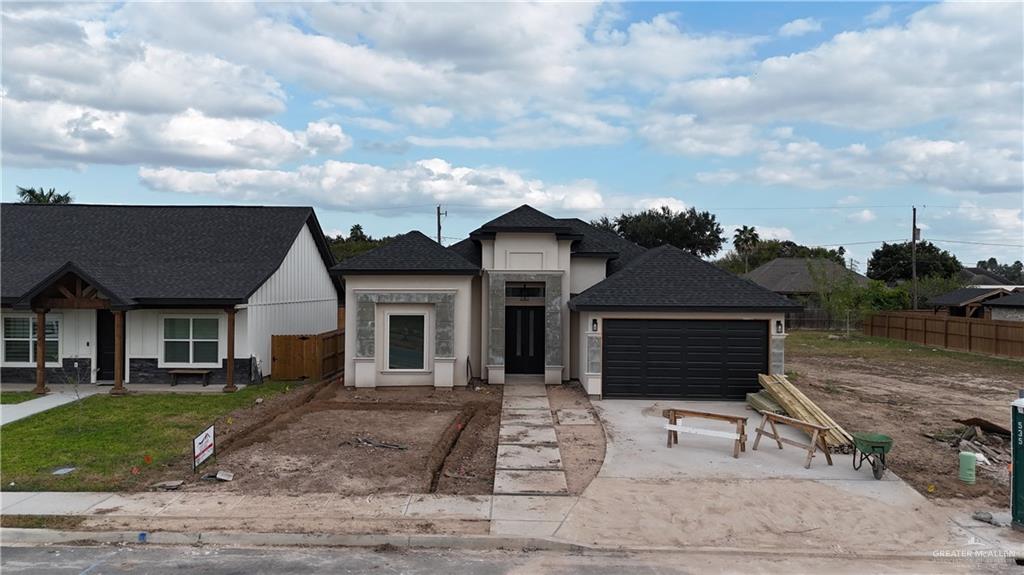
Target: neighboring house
{"x":966,"y":302}
{"x":982,"y":277}
{"x":127,"y":294}
{"x":799,"y":277}
{"x":528,"y":297}
{"x":1008,"y":307}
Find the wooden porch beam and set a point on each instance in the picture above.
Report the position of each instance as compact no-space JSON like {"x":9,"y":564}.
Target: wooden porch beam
{"x":118,"y":354}
{"x":40,"y":388}
{"x":74,"y":303}
{"x":230,"y":387}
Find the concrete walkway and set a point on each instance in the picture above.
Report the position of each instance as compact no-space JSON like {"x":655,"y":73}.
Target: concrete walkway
{"x":16,"y":411}
{"x":528,"y":460}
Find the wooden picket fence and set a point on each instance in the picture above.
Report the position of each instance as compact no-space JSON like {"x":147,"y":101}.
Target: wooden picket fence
{"x":320,"y":356}
{"x":993,"y":337}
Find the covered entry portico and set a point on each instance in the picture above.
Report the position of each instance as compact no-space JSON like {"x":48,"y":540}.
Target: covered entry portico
{"x":524,"y":336}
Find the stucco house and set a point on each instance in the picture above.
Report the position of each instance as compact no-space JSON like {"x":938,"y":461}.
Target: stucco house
{"x":1007,"y":308}
{"x":147,"y":294}
{"x":967,"y":301}
{"x":530,"y":298}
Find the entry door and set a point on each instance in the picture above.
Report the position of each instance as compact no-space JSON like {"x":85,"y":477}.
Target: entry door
{"x":105,"y":345}
{"x":524,"y":339}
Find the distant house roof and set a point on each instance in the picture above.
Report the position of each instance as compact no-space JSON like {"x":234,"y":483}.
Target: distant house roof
{"x":965,"y":296}
{"x":668,"y":279}
{"x":982,"y":277}
{"x":411,"y":253}
{"x":1015,"y":299}
{"x":150,"y":255}
{"x":793,"y":275}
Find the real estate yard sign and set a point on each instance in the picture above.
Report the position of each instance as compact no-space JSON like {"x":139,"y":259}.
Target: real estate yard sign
{"x":1017,"y":468}
{"x":202,"y":447}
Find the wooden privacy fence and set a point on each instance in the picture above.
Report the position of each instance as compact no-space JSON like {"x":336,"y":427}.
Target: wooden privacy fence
{"x":994,"y":337}
{"x":319,"y":356}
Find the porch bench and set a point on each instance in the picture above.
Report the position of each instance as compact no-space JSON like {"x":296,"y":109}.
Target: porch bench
{"x":205,"y":373}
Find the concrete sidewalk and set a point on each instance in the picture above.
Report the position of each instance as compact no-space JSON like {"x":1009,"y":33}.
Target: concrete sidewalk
{"x":15,"y":411}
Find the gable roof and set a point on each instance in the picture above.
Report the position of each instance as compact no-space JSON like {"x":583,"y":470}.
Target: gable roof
{"x":793,"y":275}
{"x":668,"y":279}
{"x":411,"y":253}
{"x":145,"y":255}
{"x":1015,"y":299}
{"x":526,"y":219}
{"x":965,"y":296}
{"x":982,"y":277}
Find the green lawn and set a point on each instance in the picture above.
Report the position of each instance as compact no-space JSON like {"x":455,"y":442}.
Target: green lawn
{"x":818,"y":343}
{"x":11,"y":397}
{"x":105,"y":437}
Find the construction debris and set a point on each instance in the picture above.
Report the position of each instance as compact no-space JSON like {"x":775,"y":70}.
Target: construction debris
{"x":994,"y":446}
{"x":797,"y":405}
{"x":370,"y":442}
{"x":169,"y":485}
{"x":984,"y":425}
{"x":224,"y":476}
{"x":63,"y":470}
{"x":762,"y":402}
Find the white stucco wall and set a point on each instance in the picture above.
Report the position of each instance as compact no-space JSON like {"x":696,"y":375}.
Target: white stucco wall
{"x":460,"y":285}
{"x":586,"y":272}
{"x":533,"y":252}
{"x":299,"y":298}
{"x":1007,"y":313}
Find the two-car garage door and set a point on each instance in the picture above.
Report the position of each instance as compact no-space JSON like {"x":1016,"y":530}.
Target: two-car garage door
{"x":693,"y":359}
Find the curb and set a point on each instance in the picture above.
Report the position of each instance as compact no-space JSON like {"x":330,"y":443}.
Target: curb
{"x":30,"y":537}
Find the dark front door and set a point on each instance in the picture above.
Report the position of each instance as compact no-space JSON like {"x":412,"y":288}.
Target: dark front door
{"x":104,"y":345}
{"x":691,"y":359}
{"x":524,"y":339}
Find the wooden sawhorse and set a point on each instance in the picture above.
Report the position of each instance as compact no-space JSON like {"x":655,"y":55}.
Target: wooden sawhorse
{"x":817,"y":433}
{"x":673,"y":427}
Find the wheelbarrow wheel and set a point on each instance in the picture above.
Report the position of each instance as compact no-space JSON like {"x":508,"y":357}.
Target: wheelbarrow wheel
{"x":877,"y":467}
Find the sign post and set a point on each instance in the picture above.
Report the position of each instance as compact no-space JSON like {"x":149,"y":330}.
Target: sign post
{"x":1017,"y":469}
{"x":202,"y":447}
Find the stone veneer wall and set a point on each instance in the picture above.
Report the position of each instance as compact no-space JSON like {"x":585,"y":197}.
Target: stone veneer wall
{"x":145,"y":371}
{"x":444,"y":319}
{"x":56,"y":375}
{"x":1007,"y":313}
{"x":552,"y":314}
{"x":777,"y":352}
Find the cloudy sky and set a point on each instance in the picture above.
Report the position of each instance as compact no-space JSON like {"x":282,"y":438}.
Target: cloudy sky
{"x":821,"y":123}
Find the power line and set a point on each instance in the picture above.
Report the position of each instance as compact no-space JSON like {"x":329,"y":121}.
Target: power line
{"x":976,"y":243}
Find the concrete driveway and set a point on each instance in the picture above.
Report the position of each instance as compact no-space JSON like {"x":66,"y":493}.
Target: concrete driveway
{"x":697,"y":495}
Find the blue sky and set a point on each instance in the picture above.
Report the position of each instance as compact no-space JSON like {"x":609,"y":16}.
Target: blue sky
{"x":817,"y":122}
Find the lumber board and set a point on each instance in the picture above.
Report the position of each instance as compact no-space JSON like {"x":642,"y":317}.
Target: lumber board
{"x":799,"y":406}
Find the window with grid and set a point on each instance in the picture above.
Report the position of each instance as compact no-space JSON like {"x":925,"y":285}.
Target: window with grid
{"x":191,"y":340}
{"x":20,"y":340}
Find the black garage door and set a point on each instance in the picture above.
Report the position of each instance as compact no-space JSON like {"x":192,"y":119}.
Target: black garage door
{"x":693,"y":359}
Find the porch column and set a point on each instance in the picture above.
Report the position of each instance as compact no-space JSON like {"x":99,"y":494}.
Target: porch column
{"x":230,"y":368}
{"x":40,"y":388}
{"x":118,"y":388}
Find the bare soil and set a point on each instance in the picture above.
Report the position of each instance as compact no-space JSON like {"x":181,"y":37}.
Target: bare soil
{"x":905,"y":391}
{"x":447,"y":439}
{"x":581,"y":446}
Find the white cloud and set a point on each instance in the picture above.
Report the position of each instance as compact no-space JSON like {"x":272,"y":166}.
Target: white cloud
{"x":848,"y":200}
{"x":425,"y":116}
{"x":674,"y":204}
{"x":685,"y":134}
{"x":764,"y":232}
{"x":366,"y":187}
{"x":862,"y":216}
{"x":375,"y":124}
{"x":37,"y":133}
{"x":799,"y":27}
{"x":717,"y":177}
{"x":553,"y":130}
{"x":879,"y":15}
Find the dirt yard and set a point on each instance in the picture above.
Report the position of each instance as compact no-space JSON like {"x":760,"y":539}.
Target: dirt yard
{"x":905,"y":391}
{"x":581,"y":446}
{"x":355,"y":442}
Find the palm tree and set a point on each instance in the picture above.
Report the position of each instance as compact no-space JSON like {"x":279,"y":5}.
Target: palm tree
{"x":744,"y":240}
{"x":40,"y":196}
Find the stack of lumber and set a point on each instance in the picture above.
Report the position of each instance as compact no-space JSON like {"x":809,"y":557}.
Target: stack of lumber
{"x":762,"y":402}
{"x":799,"y":406}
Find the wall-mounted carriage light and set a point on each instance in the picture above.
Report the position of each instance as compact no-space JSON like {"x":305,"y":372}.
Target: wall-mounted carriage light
{"x":779,"y":326}
{"x":593,"y":325}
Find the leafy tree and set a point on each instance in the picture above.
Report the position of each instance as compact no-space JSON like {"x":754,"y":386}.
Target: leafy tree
{"x":41,"y":196}
{"x":765,"y":251}
{"x":689,"y":230}
{"x":604,"y":223}
{"x":891,"y":262}
{"x":1012,"y":272}
{"x":356,"y":243}
{"x":744,"y":241}
{"x":843,"y":298}
{"x":931,"y":286}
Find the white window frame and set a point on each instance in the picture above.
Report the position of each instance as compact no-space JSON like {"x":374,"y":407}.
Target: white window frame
{"x":426,"y":340}
{"x":189,"y":316}
{"x":59,"y":318}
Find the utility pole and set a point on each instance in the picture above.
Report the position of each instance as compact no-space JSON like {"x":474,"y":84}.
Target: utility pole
{"x":439,"y":214}
{"x":913,"y":253}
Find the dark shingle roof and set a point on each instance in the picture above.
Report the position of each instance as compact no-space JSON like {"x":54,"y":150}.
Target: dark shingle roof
{"x":793,"y":275}
{"x":981,"y":277}
{"x":469,"y":250}
{"x":411,"y":253}
{"x":964,"y":296}
{"x":148,"y":254}
{"x":1012,"y":300}
{"x":667,"y":278}
{"x":524,"y":219}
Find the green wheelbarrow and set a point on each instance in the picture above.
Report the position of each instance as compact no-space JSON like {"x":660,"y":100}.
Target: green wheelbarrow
{"x":871,"y":447}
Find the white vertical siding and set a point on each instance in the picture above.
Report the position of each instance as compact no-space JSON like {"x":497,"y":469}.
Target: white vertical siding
{"x":299,"y":298}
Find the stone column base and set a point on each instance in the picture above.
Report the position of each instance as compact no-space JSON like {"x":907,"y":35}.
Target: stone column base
{"x":496,"y":374}
{"x":552,"y":375}
{"x":366,"y":372}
